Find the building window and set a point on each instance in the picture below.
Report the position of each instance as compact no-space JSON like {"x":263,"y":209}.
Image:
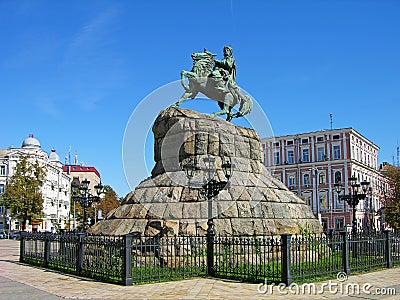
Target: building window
{"x":304,"y":141}
{"x":338,"y":177}
{"x":306,"y":155}
{"x":1,"y":188}
{"x":336,"y":152}
{"x":336,"y":137}
{"x":307,"y":199}
{"x":2,"y":170}
{"x":323,"y":203}
{"x":339,"y":224}
{"x":290,"y":157}
{"x":277,"y":160}
{"x":321,"y":153}
{"x":338,"y":203}
{"x":289,"y":143}
{"x":2,"y":210}
{"x":321,"y":179}
{"x":320,"y":139}
{"x":291,"y":181}
{"x":276,"y":144}
{"x":306,"y":179}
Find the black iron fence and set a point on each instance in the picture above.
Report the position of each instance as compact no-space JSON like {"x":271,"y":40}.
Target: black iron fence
{"x":94,"y":256}
{"x":396,"y":248}
{"x":163,"y":258}
{"x":250,"y":258}
{"x":286,"y":258}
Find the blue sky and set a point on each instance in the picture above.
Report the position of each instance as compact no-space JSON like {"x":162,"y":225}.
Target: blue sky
{"x":73,"y":72}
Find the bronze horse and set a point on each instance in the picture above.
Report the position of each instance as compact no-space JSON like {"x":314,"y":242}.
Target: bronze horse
{"x":203,"y":79}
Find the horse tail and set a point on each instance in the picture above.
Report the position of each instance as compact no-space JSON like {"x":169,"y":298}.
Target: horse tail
{"x":246,"y":105}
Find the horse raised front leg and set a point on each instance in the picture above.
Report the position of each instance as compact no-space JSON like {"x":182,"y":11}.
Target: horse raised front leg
{"x":188,"y":92}
{"x":183,"y":83}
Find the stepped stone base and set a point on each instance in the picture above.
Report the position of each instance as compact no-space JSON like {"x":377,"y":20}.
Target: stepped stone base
{"x":168,"y":202}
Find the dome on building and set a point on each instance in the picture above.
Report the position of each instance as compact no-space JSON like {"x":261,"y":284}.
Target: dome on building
{"x":53,"y":156}
{"x":30,"y":142}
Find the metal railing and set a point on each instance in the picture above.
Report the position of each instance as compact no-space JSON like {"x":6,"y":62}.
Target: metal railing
{"x":167,"y":258}
{"x":396,"y":248}
{"x":250,"y":258}
{"x":316,"y":255}
{"x":286,"y":258}
{"x":368,"y":251}
{"x":93,"y":256}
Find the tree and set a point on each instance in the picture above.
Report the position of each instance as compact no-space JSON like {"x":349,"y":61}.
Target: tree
{"x":110,"y":200}
{"x":391,"y":203}
{"x":23,"y":194}
{"x":107,"y":203}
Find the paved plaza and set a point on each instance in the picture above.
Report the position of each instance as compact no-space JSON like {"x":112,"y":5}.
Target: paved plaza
{"x":19,"y":281}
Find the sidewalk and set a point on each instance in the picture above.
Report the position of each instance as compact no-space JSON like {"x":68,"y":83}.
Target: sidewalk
{"x":19,"y":281}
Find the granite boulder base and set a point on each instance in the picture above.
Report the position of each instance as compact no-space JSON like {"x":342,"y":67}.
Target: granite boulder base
{"x":170,"y":201}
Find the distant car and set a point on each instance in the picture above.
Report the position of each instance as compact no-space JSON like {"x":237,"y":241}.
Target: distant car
{"x":3,"y":235}
{"x":15,"y":235}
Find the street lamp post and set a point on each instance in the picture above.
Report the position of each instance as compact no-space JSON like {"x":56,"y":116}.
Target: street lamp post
{"x":81,"y":193}
{"x":211,"y":189}
{"x":317,"y":202}
{"x":354,"y":197}
{"x":8,"y":220}
{"x":383,"y":221}
{"x":370,"y":211}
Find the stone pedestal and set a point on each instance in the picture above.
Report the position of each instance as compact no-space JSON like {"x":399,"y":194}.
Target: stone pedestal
{"x":169,"y":201}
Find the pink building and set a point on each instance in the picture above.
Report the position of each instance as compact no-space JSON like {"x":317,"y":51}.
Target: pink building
{"x":310,"y":163}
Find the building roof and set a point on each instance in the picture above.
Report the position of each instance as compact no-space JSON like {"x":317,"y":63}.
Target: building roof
{"x":30,"y":142}
{"x":53,"y":156}
{"x":77,"y":168}
{"x":323,"y":131}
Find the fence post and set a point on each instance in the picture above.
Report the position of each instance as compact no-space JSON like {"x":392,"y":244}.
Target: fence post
{"x":345,"y":253}
{"x":22,"y":245}
{"x":80,"y":252}
{"x":47,"y":236}
{"x":127,"y":260}
{"x":285,"y":258}
{"x":388,"y":248}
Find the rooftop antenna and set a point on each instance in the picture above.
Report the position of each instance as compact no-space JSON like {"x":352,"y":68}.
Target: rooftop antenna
{"x":330,"y":116}
{"x":69,"y":155}
{"x":398,"y":156}
{"x":76,"y":161}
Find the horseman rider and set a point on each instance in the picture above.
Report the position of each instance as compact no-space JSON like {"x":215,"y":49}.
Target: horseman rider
{"x":226,"y":67}
{"x":225,"y":72}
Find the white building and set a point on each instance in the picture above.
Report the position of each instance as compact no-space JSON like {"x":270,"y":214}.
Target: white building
{"x":55,"y":189}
